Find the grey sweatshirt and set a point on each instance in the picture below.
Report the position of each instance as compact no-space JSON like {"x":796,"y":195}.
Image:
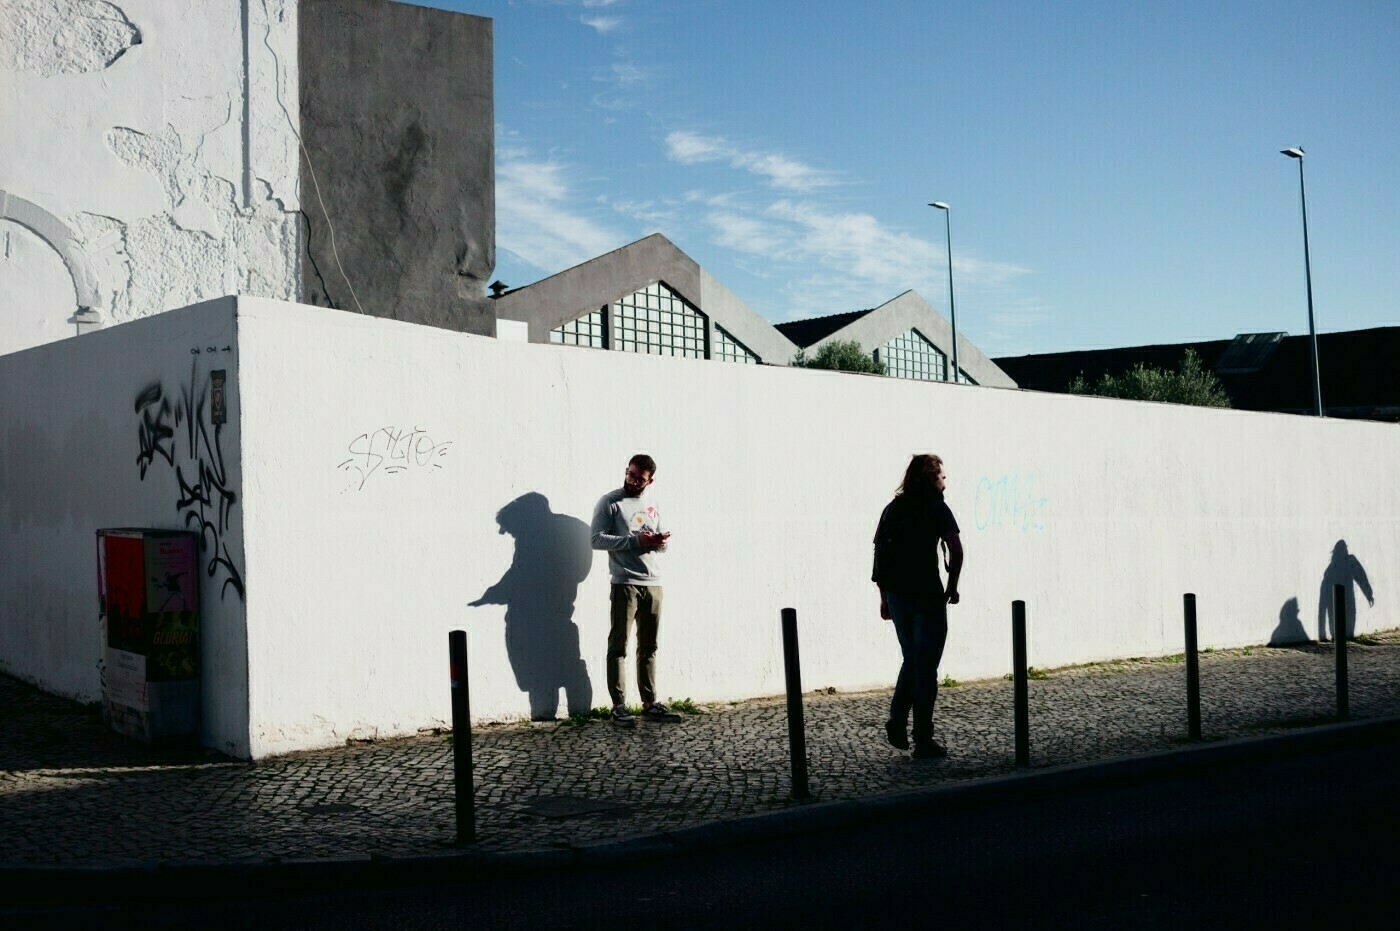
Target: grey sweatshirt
{"x":616,"y":522}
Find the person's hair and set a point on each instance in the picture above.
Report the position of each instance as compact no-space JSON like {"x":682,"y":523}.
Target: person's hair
{"x":920,"y":477}
{"x":645,"y":463}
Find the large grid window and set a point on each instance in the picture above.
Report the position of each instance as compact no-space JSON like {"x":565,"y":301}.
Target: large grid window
{"x":658,"y":321}
{"x":964,"y":378}
{"x":729,"y":349}
{"x":588,"y":330}
{"x":911,"y":355}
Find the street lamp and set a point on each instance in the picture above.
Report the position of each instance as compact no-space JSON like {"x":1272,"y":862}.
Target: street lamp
{"x":1307,"y":270}
{"x":952,"y":310}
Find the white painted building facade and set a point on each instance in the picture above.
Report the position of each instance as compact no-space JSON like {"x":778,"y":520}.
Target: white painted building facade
{"x":150,"y":159}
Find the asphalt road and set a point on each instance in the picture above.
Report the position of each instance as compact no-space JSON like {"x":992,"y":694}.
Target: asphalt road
{"x":1300,"y":842}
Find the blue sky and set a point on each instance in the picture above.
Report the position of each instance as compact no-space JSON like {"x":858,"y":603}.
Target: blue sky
{"x":1113,"y":168}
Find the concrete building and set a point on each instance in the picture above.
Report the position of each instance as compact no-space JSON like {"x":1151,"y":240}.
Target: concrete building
{"x":650,"y":297}
{"x":647,"y":297}
{"x":1259,"y":371}
{"x":332,"y":152}
{"x":906,"y":334}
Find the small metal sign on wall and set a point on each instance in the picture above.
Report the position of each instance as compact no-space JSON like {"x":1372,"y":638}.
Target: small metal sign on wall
{"x":218,"y":408}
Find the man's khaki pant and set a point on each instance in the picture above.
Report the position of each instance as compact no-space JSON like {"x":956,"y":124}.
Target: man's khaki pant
{"x":642,"y":602}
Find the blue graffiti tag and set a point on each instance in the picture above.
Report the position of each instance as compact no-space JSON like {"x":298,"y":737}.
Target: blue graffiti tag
{"x":1011,"y":501}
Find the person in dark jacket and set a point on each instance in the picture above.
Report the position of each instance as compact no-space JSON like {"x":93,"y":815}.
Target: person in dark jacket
{"x":912,"y":527}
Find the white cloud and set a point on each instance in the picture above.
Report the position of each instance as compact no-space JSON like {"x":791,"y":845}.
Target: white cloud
{"x":622,"y":79}
{"x":833,"y":259}
{"x":837,"y":260}
{"x":750,"y":236}
{"x":533,"y":217}
{"x":782,"y":172}
{"x":593,"y":4}
{"x":654,"y":213}
{"x":690,"y":148}
{"x":857,"y":243}
{"x":604,"y":24}
{"x":625,"y":73}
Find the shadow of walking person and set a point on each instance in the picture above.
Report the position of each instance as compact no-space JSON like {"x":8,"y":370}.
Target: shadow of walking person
{"x":552,"y":557}
{"x":1345,"y":570}
{"x":1290,"y":629}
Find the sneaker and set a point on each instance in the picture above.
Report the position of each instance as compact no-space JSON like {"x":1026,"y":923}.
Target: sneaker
{"x":620,"y":715}
{"x":897,"y":734}
{"x":657,"y":711}
{"x":933,"y":750}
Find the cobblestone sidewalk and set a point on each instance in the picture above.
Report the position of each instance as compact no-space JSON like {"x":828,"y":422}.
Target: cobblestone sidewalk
{"x":74,"y":794}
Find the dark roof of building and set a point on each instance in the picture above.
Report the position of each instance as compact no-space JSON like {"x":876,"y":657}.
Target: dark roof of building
{"x":1360,"y":371}
{"x":804,"y":333}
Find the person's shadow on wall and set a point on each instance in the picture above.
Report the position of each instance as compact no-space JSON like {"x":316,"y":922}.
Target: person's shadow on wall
{"x":1290,"y":626}
{"x":552,"y":557}
{"x":1345,"y":570}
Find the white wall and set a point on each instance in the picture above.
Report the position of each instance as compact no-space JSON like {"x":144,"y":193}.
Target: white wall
{"x":158,"y":139}
{"x":1098,"y":513}
{"x":80,"y":453}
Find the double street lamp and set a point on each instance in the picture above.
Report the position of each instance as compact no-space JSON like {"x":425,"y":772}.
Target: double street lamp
{"x":952,"y":310}
{"x":1307,"y":271}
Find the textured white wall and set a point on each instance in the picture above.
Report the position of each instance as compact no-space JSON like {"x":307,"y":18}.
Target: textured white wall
{"x":83,"y":429}
{"x":372,"y":466}
{"x":1098,"y":513}
{"x":161,"y":137}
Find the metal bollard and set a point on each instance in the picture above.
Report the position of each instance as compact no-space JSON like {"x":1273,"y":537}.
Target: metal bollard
{"x":1193,"y":671}
{"x":797,"y":737}
{"x":1021,"y":676}
{"x":462,"y":738}
{"x":1339,"y":642}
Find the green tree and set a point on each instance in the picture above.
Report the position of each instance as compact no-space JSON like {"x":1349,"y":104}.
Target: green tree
{"x":844,"y":355}
{"x":1189,"y":384}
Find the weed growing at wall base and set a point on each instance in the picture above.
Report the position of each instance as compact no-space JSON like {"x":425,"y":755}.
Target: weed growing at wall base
{"x":604,"y":712}
{"x":1031,"y":673}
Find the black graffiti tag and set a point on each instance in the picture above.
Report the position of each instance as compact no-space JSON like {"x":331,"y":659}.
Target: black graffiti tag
{"x":206,"y":498}
{"x":155,"y":432}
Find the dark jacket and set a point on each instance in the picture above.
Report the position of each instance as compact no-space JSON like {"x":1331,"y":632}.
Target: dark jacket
{"x":906,"y":545}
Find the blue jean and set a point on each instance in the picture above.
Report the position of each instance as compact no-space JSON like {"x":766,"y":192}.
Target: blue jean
{"x":921,"y":623}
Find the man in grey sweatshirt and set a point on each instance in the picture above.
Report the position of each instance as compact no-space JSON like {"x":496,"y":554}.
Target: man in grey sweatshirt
{"x":627,"y":525}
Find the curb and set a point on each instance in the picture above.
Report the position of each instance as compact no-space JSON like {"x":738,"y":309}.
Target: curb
{"x":47,"y":884}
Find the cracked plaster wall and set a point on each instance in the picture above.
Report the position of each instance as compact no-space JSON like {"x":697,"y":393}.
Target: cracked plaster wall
{"x":163,"y":135}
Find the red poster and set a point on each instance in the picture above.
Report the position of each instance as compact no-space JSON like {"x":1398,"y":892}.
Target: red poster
{"x":124,"y":568}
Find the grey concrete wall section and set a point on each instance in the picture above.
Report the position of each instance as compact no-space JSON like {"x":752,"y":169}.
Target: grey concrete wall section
{"x":725,"y":308}
{"x":910,"y":310}
{"x":584,"y":288}
{"x":397,"y":118}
